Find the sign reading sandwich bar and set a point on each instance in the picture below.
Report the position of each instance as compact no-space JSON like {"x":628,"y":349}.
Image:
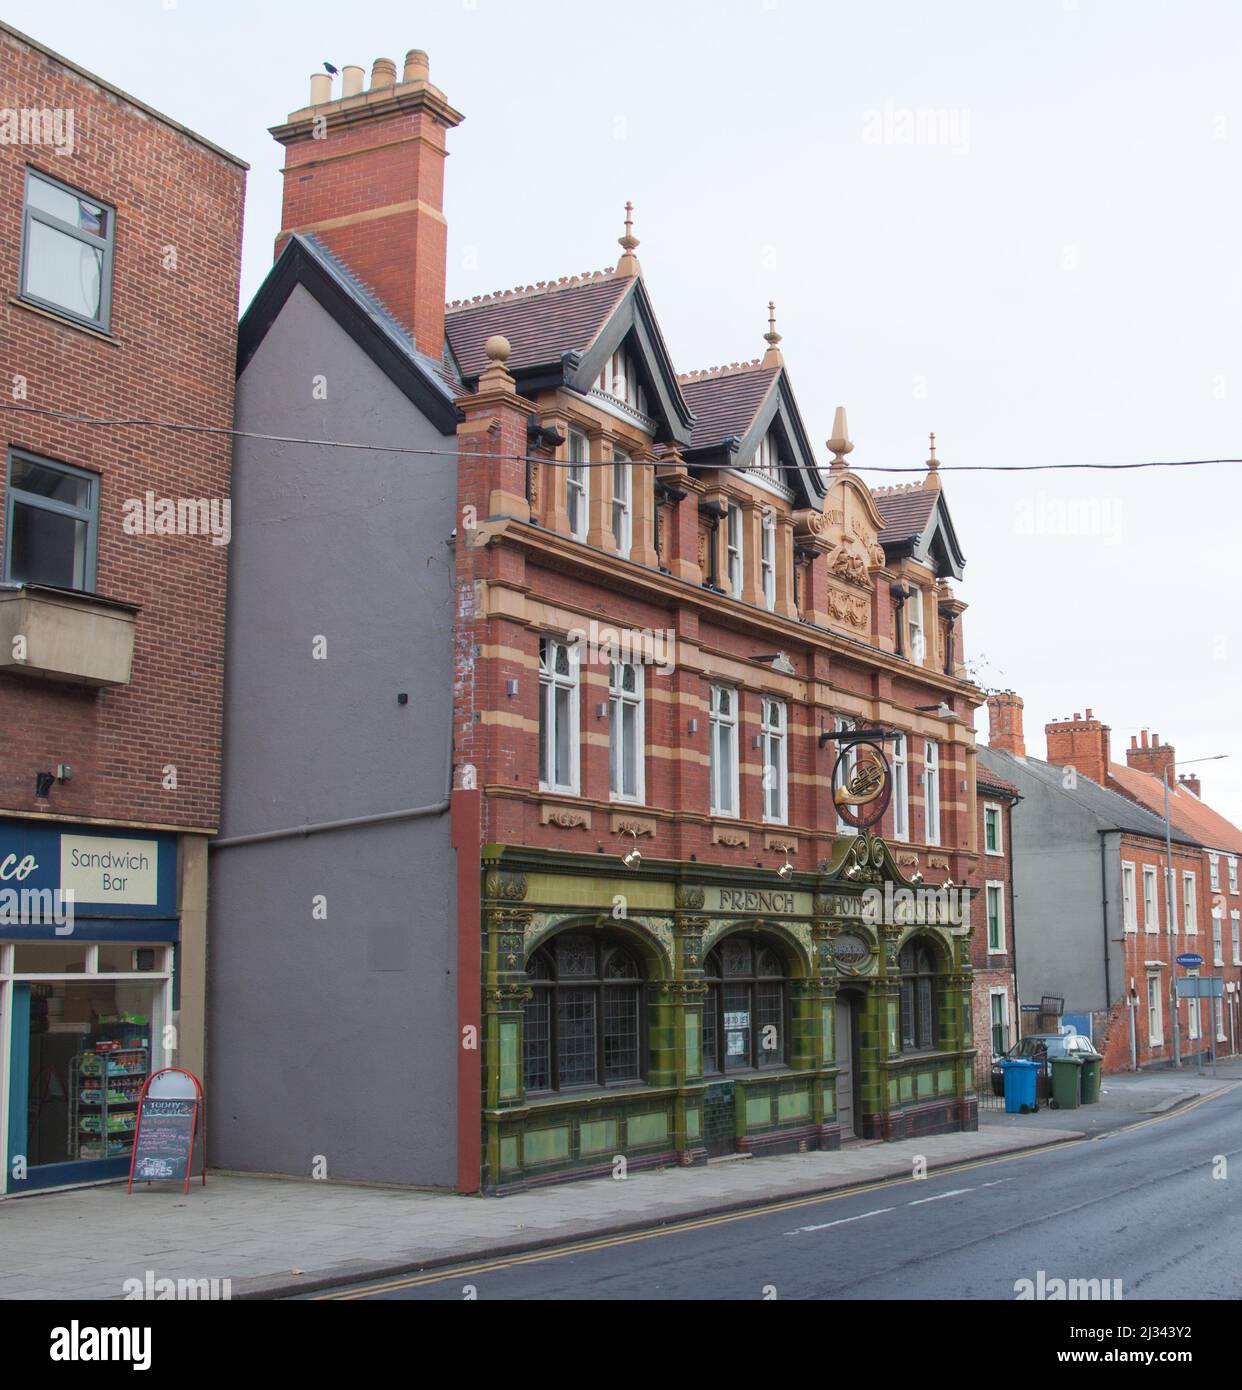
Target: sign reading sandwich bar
{"x":109,"y":871}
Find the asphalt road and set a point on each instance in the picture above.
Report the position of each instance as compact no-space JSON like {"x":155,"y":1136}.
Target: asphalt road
{"x":1139,"y":1205}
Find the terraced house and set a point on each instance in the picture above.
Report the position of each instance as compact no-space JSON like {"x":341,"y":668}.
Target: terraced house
{"x":639,"y":619}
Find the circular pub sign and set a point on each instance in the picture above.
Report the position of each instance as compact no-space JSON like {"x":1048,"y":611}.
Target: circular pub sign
{"x":862,"y":783}
{"x":850,"y":950}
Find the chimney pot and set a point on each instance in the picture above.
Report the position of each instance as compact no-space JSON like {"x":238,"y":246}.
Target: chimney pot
{"x":383,"y":73}
{"x":1090,"y":715}
{"x":1077,"y":717}
{"x":321,"y":88}
{"x":352,"y":78}
{"x":417,"y":66}
{"x":1144,"y":737}
{"x":1133,"y":740}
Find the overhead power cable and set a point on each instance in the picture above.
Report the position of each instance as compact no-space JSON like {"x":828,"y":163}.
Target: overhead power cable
{"x":185,"y":427}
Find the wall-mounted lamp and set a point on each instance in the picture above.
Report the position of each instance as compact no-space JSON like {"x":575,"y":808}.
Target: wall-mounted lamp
{"x":693,"y":726}
{"x":601,"y":710}
{"x":511,"y":688}
{"x":403,"y":697}
{"x":941,"y":711}
{"x":757,"y":741}
{"x":916,"y":877}
{"x":786,"y":870}
{"x":43,"y":783}
{"x":634,"y":858}
{"x":948,"y":883}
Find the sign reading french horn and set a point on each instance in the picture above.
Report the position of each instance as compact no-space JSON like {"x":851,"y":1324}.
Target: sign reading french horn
{"x":862,"y":783}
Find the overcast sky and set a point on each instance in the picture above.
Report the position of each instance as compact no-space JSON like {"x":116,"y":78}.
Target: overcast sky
{"x":1015,"y":224}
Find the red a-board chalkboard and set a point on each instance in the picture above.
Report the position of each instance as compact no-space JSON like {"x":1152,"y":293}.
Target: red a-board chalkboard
{"x":171,"y":1117}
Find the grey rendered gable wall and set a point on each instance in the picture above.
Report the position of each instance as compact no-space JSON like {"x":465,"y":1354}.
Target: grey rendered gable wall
{"x":335,"y":1037}
{"x":1058,"y":890}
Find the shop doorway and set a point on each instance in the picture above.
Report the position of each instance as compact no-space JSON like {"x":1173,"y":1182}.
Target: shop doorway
{"x":849,"y":1006}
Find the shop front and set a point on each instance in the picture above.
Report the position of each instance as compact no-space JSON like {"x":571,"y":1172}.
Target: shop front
{"x":89,"y":931}
{"x":682,"y":1012}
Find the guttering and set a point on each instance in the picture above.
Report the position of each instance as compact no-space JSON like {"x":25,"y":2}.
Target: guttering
{"x":324,"y":827}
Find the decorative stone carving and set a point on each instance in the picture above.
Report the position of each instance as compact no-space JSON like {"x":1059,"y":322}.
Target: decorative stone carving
{"x":567,"y":817}
{"x":637,"y":826}
{"x":687,"y":896}
{"x":781,"y":844}
{"x":508,"y":887}
{"x":848,"y":608}
{"x":729,"y":837}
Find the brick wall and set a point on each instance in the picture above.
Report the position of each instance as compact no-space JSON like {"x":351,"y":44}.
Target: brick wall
{"x":170,"y":355}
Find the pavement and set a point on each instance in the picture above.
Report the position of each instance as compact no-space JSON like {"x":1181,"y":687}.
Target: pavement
{"x":277,"y":1237}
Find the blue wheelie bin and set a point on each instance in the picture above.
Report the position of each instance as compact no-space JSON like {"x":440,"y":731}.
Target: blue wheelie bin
{"x":1020,"y":1077}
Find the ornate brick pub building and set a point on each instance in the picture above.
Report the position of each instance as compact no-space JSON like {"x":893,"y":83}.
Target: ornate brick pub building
{"x":668,"y":944}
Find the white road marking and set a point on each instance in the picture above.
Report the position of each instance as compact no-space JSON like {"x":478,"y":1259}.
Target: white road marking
{"x":845,"y":1221}
{"x":957,"y":1192}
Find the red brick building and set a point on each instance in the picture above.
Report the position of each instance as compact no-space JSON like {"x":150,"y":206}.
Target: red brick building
{"x":992,"y":943}
{"x":119,"y":260}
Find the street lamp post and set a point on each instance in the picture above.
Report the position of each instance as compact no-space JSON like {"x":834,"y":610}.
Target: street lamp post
{"x":1169,"y":908}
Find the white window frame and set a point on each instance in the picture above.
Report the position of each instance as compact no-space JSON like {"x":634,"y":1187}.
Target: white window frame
{"x":578,"y":485}
{"x":999,"y":886}
{"x":1193,"y":1029}
{"x":1155,"y":1016}
{"x":767,"y":460}
{"x":620,"y":699}
{"x":1218,"y":1010}
{"x":735,"y":549}
{"x":1232,"y":864}
{"x":1129,"y":896}
{"x":550,"y":681}
{"x":1214,"y":872}
{"x":851,"y":764}
{"x":994,"y":994}
{"x":990,"y":806}
{"x":723,"y":729}
{"x":767,"y":559}
{"x":915,"y":630}
{"x":619,"y":371}
{"x":1190,"y":904}
{"x":1151,"y":899}
{"x":1218,"y":936}
{"x":901,"y":790}
{"x":774,"y":742}
{"x":623,"y":503}
{"x":931,"y":791}
{"x":1235,"y":928}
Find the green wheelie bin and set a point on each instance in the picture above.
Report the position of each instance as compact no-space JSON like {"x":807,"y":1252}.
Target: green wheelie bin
{"x":1092,"y":1062}
{"x":1066,"y":1087}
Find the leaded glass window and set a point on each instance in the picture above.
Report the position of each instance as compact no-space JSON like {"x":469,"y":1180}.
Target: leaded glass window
{"x":745,"y":1010}
{"x":919,"y":998}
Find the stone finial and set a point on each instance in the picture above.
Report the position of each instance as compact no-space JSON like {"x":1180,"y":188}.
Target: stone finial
{"x":495,"y":375}
{"x":933,"y":468}
{"x":628,"y":264}
{"x":840,"y":443}
{"x":772,"y":358}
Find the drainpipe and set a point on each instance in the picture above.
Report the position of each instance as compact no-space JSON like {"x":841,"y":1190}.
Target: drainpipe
{"x":1133,"y":1033}
{"x":1013,"y":919}
{"x":1108,"y":986}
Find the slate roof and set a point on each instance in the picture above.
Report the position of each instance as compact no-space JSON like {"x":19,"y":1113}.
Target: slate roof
{"x":1209,"y":828}
{"x":540,"y":324}
{"x":725,"y":403}
{"x":1115,"y":811}
{"x":906,"y":511}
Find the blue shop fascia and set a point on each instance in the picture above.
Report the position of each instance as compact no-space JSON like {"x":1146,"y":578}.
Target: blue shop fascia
{"x":90,"y":947}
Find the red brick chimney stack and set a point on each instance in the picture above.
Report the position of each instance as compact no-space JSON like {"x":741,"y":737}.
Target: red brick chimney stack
{"x":1081,"y":743}
{"x":1154,"y":757}
{"x":1191,"y":783}
{"x":1005,"y":723}
{"x":365,"y":174}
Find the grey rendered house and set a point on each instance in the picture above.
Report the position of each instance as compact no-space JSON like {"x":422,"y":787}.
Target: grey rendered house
{"x":331,"y":1027}
{"x":1092,"y":930}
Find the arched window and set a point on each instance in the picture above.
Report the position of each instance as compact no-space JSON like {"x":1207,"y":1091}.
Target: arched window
{"x":746,"y":1006}
{"x":584,"y":1020}
{"x":919,"y":997}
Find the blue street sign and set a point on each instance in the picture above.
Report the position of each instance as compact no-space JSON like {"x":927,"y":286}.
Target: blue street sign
{"x":1190,"y":961}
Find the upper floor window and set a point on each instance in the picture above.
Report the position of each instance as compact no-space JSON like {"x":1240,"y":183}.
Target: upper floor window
{"x":1129,"y":906}
{"x":992,"y":841}
{"x":583,"y":1021}
{"x":558,"y":716}
{"x":914,"y":626}
{"x":1214,"y":872}
{"x":622,"y":514}
{"x":1233,"y":874}
{"x":51,"y":522}
{"x":767,"y":560}
{"x":1218,"y":928}
{"x":625,"y":731}
{"x":733,"y":544}
{"x":767,"y":460}
{"x":1190,"y":906}
{"x":775,"y":769}
{"x":850,"y":754}
{"x":745,"y":1006}
{"x":67,"y":244}
{"x":901,"y":791}
{"x":1235,"y":923}
{"x":578,"y":486}
{"x":995,"y":901}
{"x":1151,"y":907}
{"x":931,"y":771}
{"x":723,"y":753}
{"x":620,"y":381}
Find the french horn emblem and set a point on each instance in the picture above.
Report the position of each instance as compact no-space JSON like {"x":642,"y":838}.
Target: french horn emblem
{"x":861,"y":791}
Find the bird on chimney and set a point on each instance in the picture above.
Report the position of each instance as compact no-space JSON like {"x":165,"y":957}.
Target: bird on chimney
{"x":330,"y":69}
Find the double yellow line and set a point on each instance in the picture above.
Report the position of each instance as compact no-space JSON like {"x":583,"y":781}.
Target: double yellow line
{"x":470,"y":1271}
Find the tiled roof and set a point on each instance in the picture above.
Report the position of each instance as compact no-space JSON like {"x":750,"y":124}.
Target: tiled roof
{"x":725,"y":401}
{"x":906,"y":510}
{"x":540,"y":322}
{"x":993,"y":781}
{"x":1117,"y":812}
{"x":1186,"y":811}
